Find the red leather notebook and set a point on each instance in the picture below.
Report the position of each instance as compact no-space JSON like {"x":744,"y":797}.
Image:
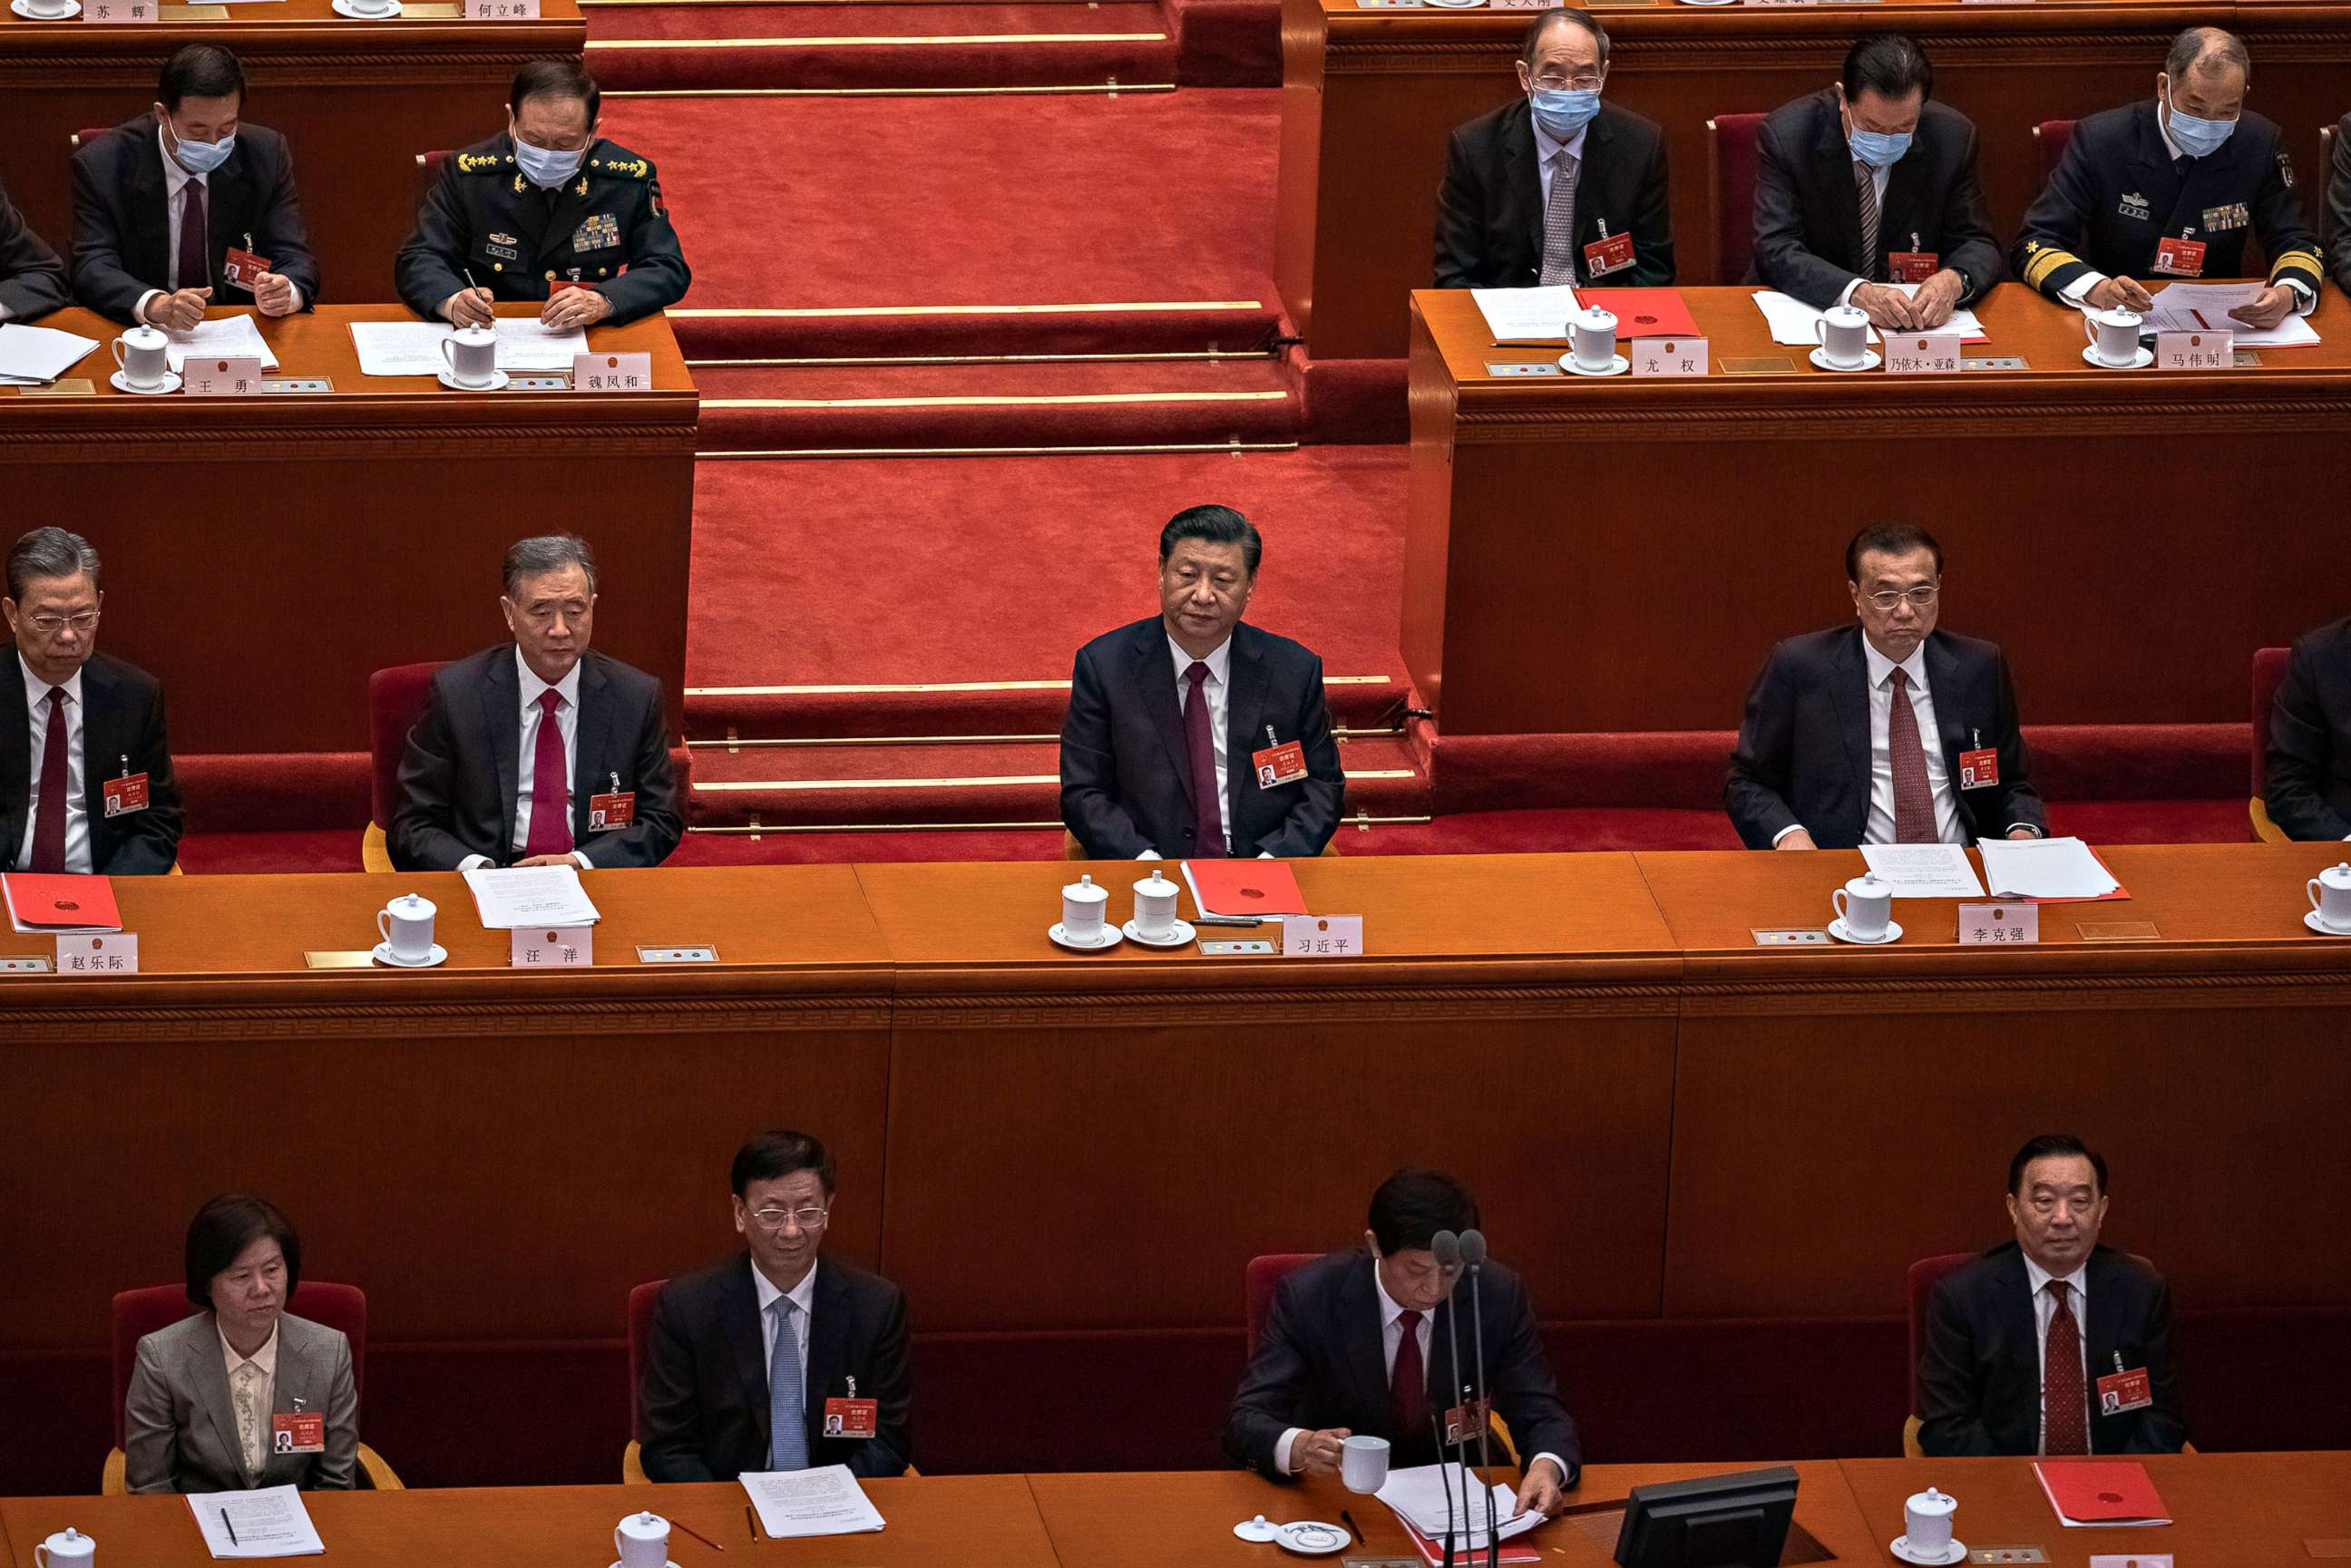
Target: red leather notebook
{"x":42,"y":904}
{"x":1644,"y":312}
{"x":1264,"y":888}
{"x":2101,"y":1492}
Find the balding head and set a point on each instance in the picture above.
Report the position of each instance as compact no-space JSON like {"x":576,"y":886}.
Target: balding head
{"x":2205,"y":75}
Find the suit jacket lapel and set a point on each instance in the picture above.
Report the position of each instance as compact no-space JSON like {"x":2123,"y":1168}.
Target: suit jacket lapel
{"x":1244,"y":719}
{"x":1834,"y":159}
{"x":15,"y":759}
{"x":297,"y":1375}
{"x":1363,"y":1335}
{"x":1849,"y":688}
{"x":2102,"y":1326}
{"x":147,"y":245}
{"x":1943,"y":683}
{"x":502,"y":713}
{"x":1154,"y":673}
{"x":738,"y":1321}
{"x":103,"y":746}
{"x":1592,"y":185}
{"x":1906,"y":190}
{"x":208,"y":1377}
{"x":828,"y":1339}
{"x":590,"y":766}
{"x":1522,"y":179}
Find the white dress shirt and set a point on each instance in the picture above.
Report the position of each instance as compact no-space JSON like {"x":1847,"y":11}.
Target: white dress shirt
{"x":176,"y":181}
{"x":803,"y":1296}
{"x":1880,"y":827}
{"x":1547,"y":151}
{"x":567,"y":720}
{"x":2077,"y":1297}
{"x":37,"y":699}
{"x":252,"y":1395}
{"x":1877,"y":178}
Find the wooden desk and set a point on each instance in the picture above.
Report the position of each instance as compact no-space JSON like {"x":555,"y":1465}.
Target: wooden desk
{"x":2225,"y":1508}
{"x":1614,"y":554}
{"x":254,"y":542}
{"x":358,"y":99}
{"x":1369,"y":98}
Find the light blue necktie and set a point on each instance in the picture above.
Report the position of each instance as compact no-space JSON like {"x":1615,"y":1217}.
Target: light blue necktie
{"x":787,"y":1401}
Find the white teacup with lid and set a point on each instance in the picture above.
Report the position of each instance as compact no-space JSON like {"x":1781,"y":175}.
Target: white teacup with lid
{"x":1155,"y":908}
{"x":643,"y":1541}
{"x":1082,"y":905}
{"x":2330,"y":899}
{"x":69,"y":1548}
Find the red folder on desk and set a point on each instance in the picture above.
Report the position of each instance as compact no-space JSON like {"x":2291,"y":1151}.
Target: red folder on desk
{"x":1644,"y":312}
{"x":2101,"y":1492}
{"x":1265,"y":888}
{"x":42,"y":904}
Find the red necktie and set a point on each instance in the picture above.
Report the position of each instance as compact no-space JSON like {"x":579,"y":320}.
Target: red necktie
{"x":1200,"y":740}
{"x":49,"y":815}
{"x":1914,"y":798}
{"x":2065,"y":1399}
{"x":1408,"y":1382}
{"x":550,"y":790}
{"x":195,"y":264}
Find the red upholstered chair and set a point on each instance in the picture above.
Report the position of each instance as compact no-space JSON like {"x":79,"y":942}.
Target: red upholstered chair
{"x":138,"y":1313}
{"x":428,"y":169}
{"x":2325,"y":172}
{"x":1925,"y":1275}
{"x":2049,"y":139}
{"x":85,"y":136}
{"x":640,"y":1327}
{"x":1730,"y":176}
{"x":2269,"y":672}
{"x":395,"y":699}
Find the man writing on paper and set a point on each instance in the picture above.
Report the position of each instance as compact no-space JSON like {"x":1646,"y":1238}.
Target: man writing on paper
{"x":2308,"y":769}
{"x":2168,"y":188}
{"x":32,"y":278}
{"x":775,"y":1358}
{"x":1866,"y":184}
{"x":189,"y":205}
{"x":547,"y":211}
{"x":1883,"y":732}
{"x":1172,"y":721}
{"x":539,"y":751}
{"x":1557,"y":187}
{"x":85,"y":762}
{"x":2051,"y":1343}
{"x":1362,"y":1343}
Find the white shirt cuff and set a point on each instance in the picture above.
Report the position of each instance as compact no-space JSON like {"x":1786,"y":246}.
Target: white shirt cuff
{"x":1790,"y":828}
{"x":1844,"y":299}
{"x":1556,"y":1460}
{"x":139,"y":311}
{"x":2076,"y":291}
{"x":473,"y":863}
{"x":296,"y":289}
{"x":2026,"y":826}
{"x":581,"y":856}
{"x":1148,"y":855}
{"x":2305,"y":298}
{"x":6,"y":314}
{"x":1282,"y":1449}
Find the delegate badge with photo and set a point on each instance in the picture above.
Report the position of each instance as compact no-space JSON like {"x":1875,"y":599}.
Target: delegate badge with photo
{"x":2180,"y":256}
{"x":299,"y":1432}
{"x":1282,"y":762}
{"x":852,"y":1416}
{"x":2121,"y":1391}
{"x":126,"y":794}
{"x":1980,"y":769}
{"x":242,"y":267}
{"x":1912,"y":265}
{"x":1466,"y":1420}
{"x":616,"y":809}
{"x":1609,"y":253}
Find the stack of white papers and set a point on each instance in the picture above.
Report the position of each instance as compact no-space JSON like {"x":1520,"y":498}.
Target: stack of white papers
{"x":1416,"y":1496}
{"x":526,"y":344}
{"x":1792,"y":323}
{"x":414,"y":348}
{"x":2044,"y":868}
{"x":269,"y":1522}
{"x":1528,"y":315}
{"x":219,"y":337}
{"x":826,"y":1501}
{"x":1923,"y":870}
{"x":35,"y":356}
{"x":2205,"y":307}
{"x":511,"y":897}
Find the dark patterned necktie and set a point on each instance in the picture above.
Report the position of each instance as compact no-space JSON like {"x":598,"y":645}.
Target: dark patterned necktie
{"x":1866,"y":183}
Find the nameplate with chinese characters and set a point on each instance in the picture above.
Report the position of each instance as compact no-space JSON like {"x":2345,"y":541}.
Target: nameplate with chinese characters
{"x":2000,"y":925}
{"x":222,"y":377}
{"x":133,"y":12}
{"x":115,"y":953}
{"x":554,"y":947}
{"x":1669,"y":356}
{"x":1322,"y":935}
{"x":1922,"y":353}
{"x":501,"y":10}
{"x":2196,"y":351}
{"x":611,"y":373}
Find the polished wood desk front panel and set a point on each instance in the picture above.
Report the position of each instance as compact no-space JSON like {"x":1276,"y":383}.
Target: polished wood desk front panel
{"x":1369,"y":97}
{"x":1614,"y":554}
{"x":264,"y":555}
{"x":358,"y":100}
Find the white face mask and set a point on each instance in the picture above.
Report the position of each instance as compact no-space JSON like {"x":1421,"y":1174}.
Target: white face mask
{"x":544,"y":166}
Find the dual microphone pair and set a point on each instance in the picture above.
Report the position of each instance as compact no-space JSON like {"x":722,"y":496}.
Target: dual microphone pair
{"x":1466,"y":1253}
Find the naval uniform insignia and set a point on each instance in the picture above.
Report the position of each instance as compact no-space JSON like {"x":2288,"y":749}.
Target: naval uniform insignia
{"x":599,"y":232}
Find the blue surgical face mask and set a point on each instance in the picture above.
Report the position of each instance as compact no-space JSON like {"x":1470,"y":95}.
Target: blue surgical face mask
{"x":1563,"y":111}
{"x":547,"y":168}
{"x":1878,"y":148}
{"x":202,"y":157}
{"x":2197,"y":137}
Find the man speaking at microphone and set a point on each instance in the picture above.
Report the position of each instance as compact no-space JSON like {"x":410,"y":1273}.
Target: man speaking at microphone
{"x":1363,"y":1341}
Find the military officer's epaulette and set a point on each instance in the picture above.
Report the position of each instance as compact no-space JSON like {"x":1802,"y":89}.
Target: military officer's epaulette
{"x":483,"y":163}
{"x":619,"y":163}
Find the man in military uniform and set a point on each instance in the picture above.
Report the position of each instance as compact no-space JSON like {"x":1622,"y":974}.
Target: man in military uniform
{"x":2169,"y":189}
{"x":545,"y":211}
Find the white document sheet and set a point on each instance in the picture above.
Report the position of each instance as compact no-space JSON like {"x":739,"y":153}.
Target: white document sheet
{"x":34,"y":356}
{"x":1791,"y":320}
{"x":1528,"y":315}
{"x":414,"y":348}
{"x":1924,"y":871}
{"x":219,"y":337}
{"x":825,"y":1502}
{"x":2205,"y":307}
{"x":2044,"y":868}
{"x":1416,"y":1496}
{"x":513,"y":897}
{"x":526,"y":345}
{"x":269,"y":1522}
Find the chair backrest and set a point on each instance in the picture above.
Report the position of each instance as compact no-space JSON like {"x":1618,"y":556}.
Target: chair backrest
{"x":2326,"y":173}
{"x":428,"y":169}
{"x":2269,"y":674}
{"x":86,"y":135}
{"x":1730,"y":176}
{"x":2049,"y":139}
{"x":138,"y":1313}
{"x":396,"y":700}
{"x":641,"y":1299}
{"x":1925,"y":1275}
{"x":1266,"y":1271}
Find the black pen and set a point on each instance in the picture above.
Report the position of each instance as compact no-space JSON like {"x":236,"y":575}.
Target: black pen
{"x":230,"y":1525}
{"x":1349,"y":1521}
{"x":1229,"y":920}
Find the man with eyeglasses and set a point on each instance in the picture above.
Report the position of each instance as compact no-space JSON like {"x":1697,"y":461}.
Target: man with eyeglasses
{"x":2052,"y":1344}
{"x":1556,"y":186}
{"x":547,"y":211}
{"x":1883,"y":732}
{"x":775,"y":1358}
{"x":85,"y":765}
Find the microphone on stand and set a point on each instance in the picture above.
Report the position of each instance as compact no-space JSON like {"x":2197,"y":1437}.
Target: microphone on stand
{"x":1446,"y":1249}
{"x":1473,"y":1255}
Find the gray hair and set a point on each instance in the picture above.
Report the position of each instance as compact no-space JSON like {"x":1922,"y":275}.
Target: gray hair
{"x":2204,"y":51}
{"x":49,"y":552}
{"x":544,"y":553}
{"x":1563,"y":16}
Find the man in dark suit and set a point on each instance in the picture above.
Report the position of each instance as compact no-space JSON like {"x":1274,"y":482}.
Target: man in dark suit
{"x":2338,"y":202}
{"x":2171,"y":186}
{"x":32,"y":278}
{"x":2051,"y":1343}
{"x":2309,"y":765}
{"x":85,"y":761}
{"x":1174,"y":722}
{"x":1557,"y":187}
{"x":1869,"y":185}
{"x":539,"y":751}
{"x":1886,"y":732}
{"x":165,"y":203}
{"x":1360,"y":1343}
{"x":745,"y":1355}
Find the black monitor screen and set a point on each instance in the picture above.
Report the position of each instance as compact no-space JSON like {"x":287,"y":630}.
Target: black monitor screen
{"x":1716,"y":1521}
